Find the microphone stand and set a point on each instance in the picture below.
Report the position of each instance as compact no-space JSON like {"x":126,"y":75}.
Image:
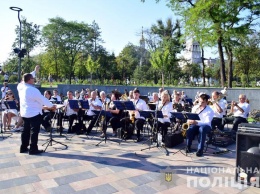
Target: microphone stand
{"x":104,"y":126}
{"x":50,"y":140}
{"x":158,"y":144}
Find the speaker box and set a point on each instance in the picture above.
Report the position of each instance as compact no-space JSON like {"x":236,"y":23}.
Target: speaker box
{"x":248,"y":158}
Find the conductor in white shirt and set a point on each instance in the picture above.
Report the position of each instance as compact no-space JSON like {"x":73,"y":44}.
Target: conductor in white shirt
{"x":31,"y":105}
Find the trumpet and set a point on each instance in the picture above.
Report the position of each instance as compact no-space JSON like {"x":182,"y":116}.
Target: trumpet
{"x":210,"y":103}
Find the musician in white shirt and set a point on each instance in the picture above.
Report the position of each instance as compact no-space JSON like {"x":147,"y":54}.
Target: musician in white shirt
{"x":166,"y":107}
{"x":240,"y":111}
{"x":140,"y":105}
{"x":219,"y":110}
{"x":94,"y":104}
{"x":202,"y":126}
{"x":70,"y":113}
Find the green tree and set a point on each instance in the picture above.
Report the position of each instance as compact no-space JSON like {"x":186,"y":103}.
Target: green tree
{"x":66,"y":41}
{"x":91,"y":66}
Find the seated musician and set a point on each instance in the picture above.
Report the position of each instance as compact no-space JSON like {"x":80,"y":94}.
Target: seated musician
{"x":166,"y":107}
{"x":56,"y":96}
{"x":9,"y":113}
{"x":94,"y":104}
{"x":77,"y":95}
{"x":178,"y":104}
{"x":71,"y":114}
{"x":218,"y":106}
{"x":116,"y":115}
{"x":131,"y":96}
{"x":103,"y":98}
{"x":240,"y":113}
{"x":47,"y":113}
{"x":202,"y":126}
{"x":138,"y":121}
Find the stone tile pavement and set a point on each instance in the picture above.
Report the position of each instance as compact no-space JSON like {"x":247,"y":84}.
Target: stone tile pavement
{"x":113,"y":168}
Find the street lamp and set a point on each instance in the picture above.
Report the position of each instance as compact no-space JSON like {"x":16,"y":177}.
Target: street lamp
{"x":19,"y":51}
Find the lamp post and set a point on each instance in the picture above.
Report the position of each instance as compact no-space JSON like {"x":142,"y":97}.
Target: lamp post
{"x":20,"y":41}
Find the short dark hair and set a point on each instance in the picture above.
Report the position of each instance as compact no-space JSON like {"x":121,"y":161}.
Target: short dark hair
{"x":27,"y":77}
{"x":205,"y":97}
{"x":136,"y":91}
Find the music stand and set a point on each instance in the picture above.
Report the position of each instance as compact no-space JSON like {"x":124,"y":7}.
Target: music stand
{"x":184,"y":115}
{"x":105,"y":114}
{"x":156,"y":114}
{"x":50,"y":140}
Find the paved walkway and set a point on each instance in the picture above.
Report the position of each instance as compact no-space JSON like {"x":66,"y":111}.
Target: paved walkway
{"x":113,"y":168}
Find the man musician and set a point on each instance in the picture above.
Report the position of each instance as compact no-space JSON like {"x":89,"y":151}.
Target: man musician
{"x":240,"y":111}
{"x":202,"y":126}
{"x":71,"y":114}
{"x":135,"y":118}
{"x":94,"y":104}
{"x":218,"y":106}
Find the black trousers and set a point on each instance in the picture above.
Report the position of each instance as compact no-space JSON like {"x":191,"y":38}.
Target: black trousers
{"x":92,"y":119}
{"x":164,"y":128}
{"x":235,"y":120}
{"x":217,"y":122}
{"x":31,"y":132}
{"x":46,"y":119}
{"x":114,"y":121}
{"x":139,"y":124}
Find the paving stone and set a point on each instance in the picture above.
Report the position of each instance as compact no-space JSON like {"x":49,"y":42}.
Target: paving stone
{"x":74,"y":177}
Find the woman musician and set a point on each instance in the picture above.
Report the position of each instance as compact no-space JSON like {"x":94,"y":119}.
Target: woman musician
{"x":116,"y":116}
{"x":166,"y":107}
{"x":48,"y":113}
{"x":9,"y":113}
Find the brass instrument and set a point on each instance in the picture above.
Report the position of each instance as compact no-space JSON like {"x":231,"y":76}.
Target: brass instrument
{"x":210,"y":103}
{"x":132,"y":118}
{"x":185,"y":127}
{"x":124,"y":97}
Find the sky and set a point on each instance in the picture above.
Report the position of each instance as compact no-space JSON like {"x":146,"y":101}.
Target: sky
{"x":120,"y":21}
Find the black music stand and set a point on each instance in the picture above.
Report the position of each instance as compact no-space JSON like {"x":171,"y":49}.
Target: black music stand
{"x":50,"y":140}
{"x":184,"y":115}
{"x":156,"y":115}
{"x":105,"y":114}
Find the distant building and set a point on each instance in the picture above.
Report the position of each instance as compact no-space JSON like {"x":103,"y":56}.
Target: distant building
{"x":192,"y":55}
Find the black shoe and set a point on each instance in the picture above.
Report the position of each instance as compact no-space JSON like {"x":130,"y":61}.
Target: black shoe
{"x":199,"y":153}
{"x":35,"y":152}
{"x":188,"y":149}
{"x":138,"y":139}
{"x":24,"y":150}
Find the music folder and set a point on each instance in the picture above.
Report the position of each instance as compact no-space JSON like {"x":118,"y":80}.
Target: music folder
{"x":185,"y":115}
{"x":84,"y":104}
{"x":10,"y":104}
{"x":192,"y":116}
{"x":178,"y":115}
{"x":124,"y":105}
{"x":149,"y":113}
{"x":102,"y":113}
{"x":73,"y":104}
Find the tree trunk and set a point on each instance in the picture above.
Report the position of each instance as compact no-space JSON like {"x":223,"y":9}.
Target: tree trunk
{"x":222,"y":62}
{"x":203,"y":67}
{"x":162,"y":81}
{"x":230,"y":65}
